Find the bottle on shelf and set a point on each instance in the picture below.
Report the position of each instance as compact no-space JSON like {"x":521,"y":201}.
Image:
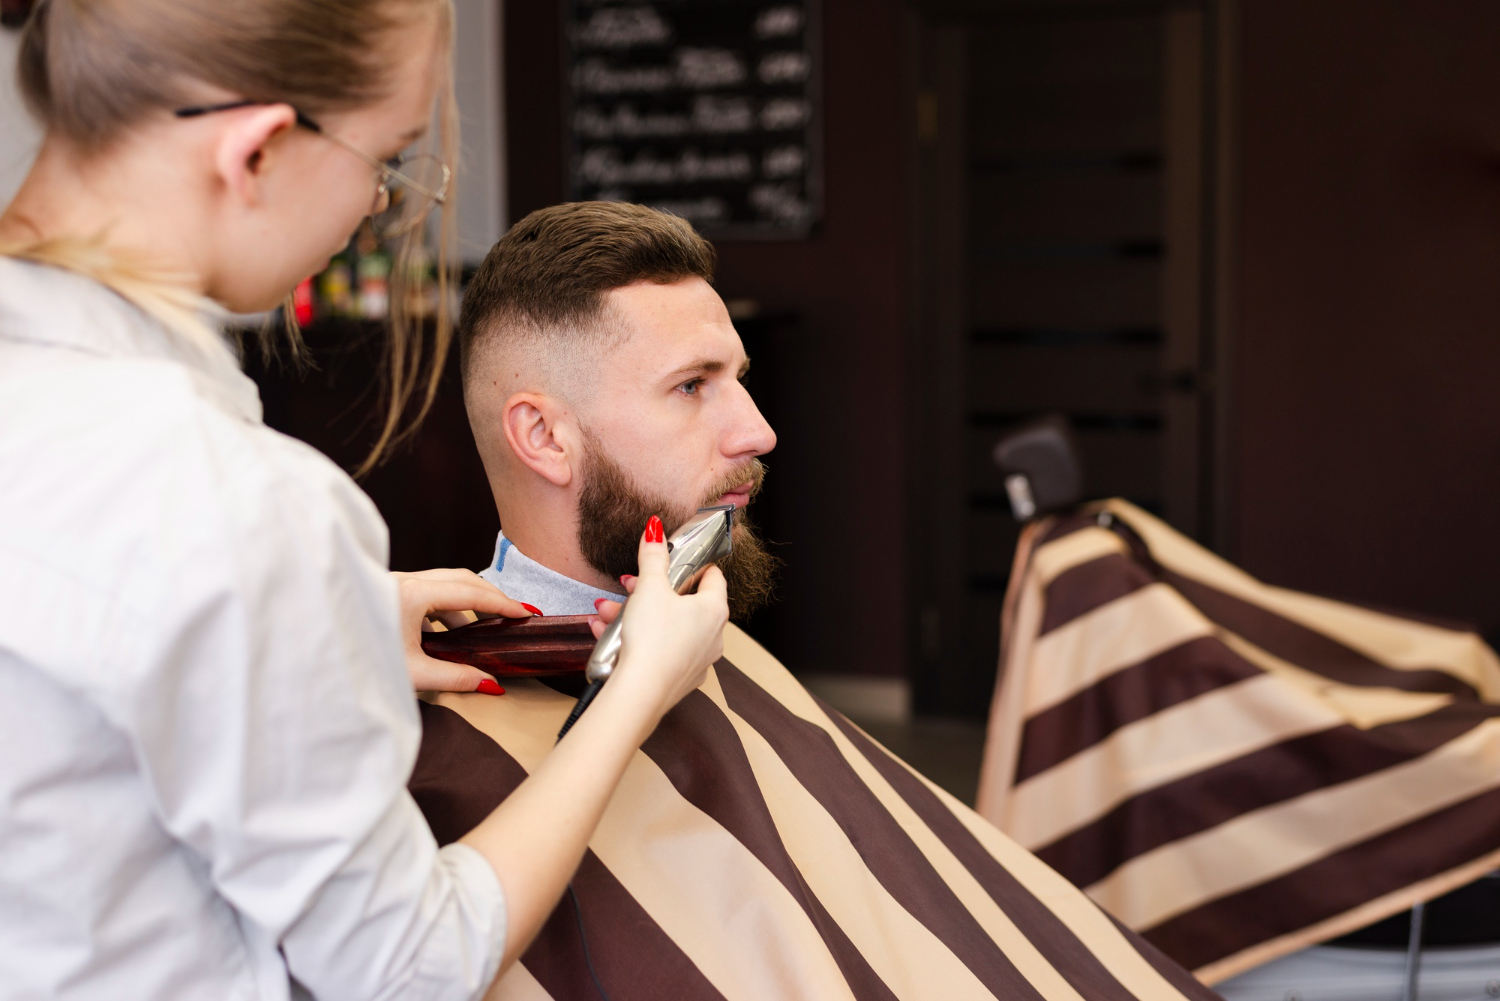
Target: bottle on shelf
{"x":374,"y":278}
{"x":336,"y":288}
{"x":420,"y":289}
{"x":302,"y":302}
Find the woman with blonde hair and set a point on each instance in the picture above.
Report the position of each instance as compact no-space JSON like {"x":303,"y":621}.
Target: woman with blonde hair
{"x":206,"y":672}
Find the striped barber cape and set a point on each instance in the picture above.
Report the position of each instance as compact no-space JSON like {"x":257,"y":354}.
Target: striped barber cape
{"x":1233,"y":770}
{"x":762,"y":847}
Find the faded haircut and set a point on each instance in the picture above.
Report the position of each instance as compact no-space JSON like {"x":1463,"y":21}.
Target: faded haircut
{"x":548,"y":276}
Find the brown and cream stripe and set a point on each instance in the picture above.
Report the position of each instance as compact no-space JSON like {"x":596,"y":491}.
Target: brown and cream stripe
{"x":762,"y":847}
{"x":1233,"y":770}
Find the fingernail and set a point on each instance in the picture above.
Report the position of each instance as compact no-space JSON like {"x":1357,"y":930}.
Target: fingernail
{"x":489,"y":686}
{"x":626,"y":578}
{"x":598,"y":602}
{"x":654,"y":530}
{"x":531,"y":608}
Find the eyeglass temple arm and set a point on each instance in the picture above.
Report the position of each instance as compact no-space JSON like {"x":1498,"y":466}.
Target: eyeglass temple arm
{"x":208,"y":109}
{"x":307,"y":123}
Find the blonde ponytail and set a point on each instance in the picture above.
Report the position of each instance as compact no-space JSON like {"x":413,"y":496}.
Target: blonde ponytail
{"x":162,"y":296}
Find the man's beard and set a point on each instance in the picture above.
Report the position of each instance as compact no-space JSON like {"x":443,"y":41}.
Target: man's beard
{"x":612,"y":514}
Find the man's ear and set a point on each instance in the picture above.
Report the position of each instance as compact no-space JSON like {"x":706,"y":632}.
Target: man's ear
{"x":540,"y":436}
{"x":246,"y":147}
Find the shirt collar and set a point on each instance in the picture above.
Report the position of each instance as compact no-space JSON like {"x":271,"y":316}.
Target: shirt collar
{"x":54,"y":307}
{"x":524,"y":579}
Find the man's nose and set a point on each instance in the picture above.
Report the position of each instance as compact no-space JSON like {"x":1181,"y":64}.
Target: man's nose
{"x":749,"y":434}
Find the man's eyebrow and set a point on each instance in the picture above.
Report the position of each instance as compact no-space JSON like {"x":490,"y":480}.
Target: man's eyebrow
{"x":705,"y":365}
{"x":708,"y":366}
{"x":412,"y":135}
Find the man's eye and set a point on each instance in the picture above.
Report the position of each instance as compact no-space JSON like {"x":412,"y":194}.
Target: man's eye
{"x":691,"y":386}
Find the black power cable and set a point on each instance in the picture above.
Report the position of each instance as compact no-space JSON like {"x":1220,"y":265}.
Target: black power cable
{"x":583,"y":703}
{"x":587,"y":959}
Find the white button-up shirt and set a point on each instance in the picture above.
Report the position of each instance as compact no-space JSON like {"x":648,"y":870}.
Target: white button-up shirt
{"x":206,"y":725}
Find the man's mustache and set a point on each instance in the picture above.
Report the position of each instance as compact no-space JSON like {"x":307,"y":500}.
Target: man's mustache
{"x":752,"y":472}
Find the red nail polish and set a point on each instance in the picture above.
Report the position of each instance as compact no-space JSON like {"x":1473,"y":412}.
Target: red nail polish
{"x":654,"y":530}
{"x":531,"y":608}
{"x":626,"y":578}
{"x":489,"y":686}
{"x":598,"y":602}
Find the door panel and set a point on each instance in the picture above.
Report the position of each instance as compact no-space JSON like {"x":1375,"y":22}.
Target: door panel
{"x":1061,"y":247}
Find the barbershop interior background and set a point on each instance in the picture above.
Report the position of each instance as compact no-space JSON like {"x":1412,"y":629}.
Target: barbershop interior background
{"x":1250,"y":249}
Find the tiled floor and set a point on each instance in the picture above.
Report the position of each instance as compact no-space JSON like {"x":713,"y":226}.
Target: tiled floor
{"x":946,"y":751}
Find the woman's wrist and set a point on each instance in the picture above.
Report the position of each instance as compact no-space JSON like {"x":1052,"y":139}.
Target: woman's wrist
{"x":631,"y":697}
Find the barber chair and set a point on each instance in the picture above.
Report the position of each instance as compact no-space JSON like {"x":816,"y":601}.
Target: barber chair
{"x":1042,"y":472}
{"x":1446,"y":946}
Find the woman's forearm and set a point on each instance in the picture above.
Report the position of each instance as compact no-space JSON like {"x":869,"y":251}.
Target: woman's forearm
{"x":537,"y":836}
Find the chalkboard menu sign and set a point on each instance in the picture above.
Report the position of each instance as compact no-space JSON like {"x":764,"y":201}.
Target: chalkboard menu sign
{"x":704,"y":108}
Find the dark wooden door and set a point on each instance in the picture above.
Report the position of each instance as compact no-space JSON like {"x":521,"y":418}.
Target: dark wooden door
{"x":1063,"y":242}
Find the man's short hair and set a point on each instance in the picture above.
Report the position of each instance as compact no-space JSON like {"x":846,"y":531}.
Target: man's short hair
{"x":551,"y":271}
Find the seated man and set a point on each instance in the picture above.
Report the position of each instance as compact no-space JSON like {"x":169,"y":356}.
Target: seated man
{"x":760,"y":846}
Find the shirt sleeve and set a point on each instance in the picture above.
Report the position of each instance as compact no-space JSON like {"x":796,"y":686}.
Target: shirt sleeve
{"x":276,"y":728}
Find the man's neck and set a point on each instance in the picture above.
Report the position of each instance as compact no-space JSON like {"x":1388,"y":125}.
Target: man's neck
{"x":542,"y":522}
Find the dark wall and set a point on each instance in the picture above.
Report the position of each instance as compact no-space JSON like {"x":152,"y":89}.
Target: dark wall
{"x":1366,"y":454}
{"x":534,"y":160}
{"x":832,"y":367}
{"x":431,"y":489}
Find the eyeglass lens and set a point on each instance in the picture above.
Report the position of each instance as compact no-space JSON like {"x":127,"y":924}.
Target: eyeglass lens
{"x":404,"y":207}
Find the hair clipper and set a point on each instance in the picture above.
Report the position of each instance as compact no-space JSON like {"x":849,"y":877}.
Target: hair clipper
{"x":698,"y":543}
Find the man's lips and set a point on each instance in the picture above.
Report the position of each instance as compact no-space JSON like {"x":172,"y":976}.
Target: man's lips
{"x":739,"y":496}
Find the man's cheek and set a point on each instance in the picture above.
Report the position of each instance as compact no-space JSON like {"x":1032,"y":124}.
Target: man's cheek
{"x":675,"y":473}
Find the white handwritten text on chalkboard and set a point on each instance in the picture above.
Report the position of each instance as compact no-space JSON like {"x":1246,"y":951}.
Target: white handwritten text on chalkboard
{"x":706,"y":108}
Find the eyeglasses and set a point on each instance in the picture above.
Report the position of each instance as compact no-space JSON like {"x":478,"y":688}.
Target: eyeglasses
{"x":408,"y":189}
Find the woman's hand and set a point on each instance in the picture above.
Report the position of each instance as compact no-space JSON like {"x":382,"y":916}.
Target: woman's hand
{"x":669,"y":639}
{"x":451,"y":597}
